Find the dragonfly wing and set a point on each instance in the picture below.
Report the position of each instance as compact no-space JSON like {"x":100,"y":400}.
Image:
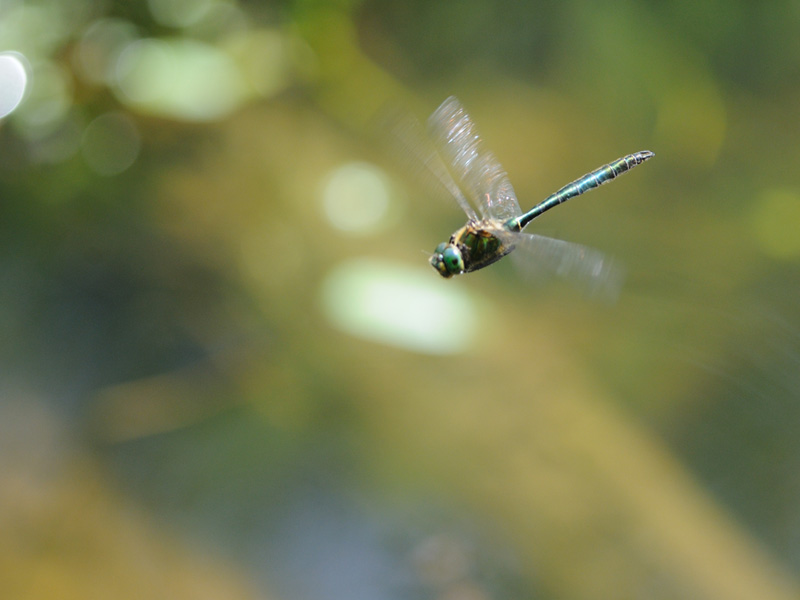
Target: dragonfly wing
{"x":414,"y":150}
{"x":594,"y":273}
{"x":480,"y":175}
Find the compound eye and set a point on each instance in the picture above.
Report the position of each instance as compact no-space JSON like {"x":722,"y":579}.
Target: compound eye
{"x":440,"y":248}
{"x":452,"y":259}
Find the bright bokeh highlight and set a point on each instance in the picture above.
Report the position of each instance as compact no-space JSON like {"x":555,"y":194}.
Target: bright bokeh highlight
{"x":356,"y":197}
{"x":399,"y":306}
{"x":13,"y":82}
{"x":179,"y":78}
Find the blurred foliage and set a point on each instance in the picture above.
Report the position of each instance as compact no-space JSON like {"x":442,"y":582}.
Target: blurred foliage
{"x":179,"y":416}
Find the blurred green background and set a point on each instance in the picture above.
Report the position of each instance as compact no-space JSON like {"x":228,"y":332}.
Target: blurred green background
{"x":227,"y":370}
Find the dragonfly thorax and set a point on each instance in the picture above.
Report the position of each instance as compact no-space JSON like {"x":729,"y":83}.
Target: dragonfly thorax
{"x":447,"y":260}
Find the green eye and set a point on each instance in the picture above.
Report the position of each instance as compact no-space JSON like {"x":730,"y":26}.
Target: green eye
{"x":452,"y":259}
{"x":440,"y":248}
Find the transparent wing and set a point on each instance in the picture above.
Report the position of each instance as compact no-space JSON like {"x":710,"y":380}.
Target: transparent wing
{"x":411,"y":146}
{"x":475,"y":168}
{"x":594,"y":273}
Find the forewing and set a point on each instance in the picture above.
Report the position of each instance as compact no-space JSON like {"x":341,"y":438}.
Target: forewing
{"x":474,"y":167}
{"x":593,"y":272}
{"x":413,"y":149}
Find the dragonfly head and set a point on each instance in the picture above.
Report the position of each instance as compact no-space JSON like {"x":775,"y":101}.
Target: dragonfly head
{"x":447,"y":260}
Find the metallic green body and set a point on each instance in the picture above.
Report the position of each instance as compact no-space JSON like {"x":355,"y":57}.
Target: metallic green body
{"x":479,"y":245}
{"x":581,"y":185}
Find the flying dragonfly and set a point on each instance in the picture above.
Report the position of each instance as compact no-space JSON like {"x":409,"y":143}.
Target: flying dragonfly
{"x":473,"y":177}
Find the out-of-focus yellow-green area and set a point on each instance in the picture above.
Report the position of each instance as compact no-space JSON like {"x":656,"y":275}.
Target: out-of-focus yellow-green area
{"x":227,"y":370}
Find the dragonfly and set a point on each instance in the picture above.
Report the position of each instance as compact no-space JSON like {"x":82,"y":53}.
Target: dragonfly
{"x":472,"y":176}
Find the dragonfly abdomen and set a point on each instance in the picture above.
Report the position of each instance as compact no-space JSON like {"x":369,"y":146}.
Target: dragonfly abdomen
{"x":581,"y":185}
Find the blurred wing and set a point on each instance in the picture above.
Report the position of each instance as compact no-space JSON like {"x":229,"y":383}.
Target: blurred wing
{"x":475,"y":168}
{"x":594,"y":273}
{"x":414,"y":150}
